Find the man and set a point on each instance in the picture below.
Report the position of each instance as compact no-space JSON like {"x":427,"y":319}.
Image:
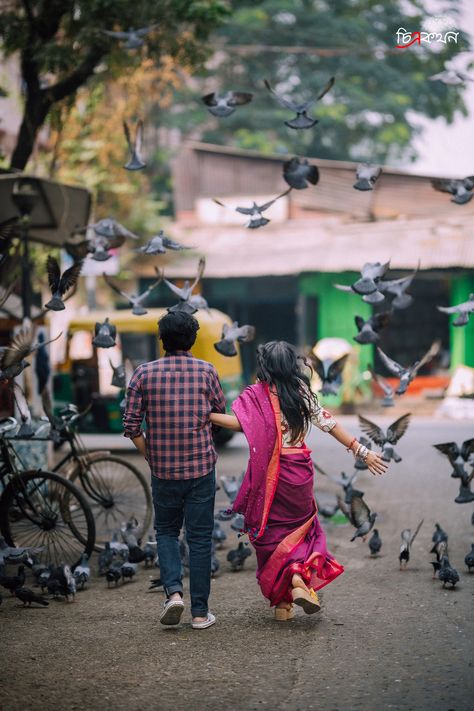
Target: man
{"x":176,"y":395}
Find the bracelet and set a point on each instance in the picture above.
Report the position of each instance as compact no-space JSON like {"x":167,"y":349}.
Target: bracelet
{"x":362,"y":453}
{"x":349,"y":448}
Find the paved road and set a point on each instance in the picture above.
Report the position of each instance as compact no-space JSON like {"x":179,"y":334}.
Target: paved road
{"x":385,"y":639}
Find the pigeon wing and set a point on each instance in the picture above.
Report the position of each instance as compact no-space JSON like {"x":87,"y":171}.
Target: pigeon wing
{"x":390,"y":364}
{"x":449,"y":449}
{"x":200,"y":272}
{"x":209,"y":99}
{"x":238,"y":98}
{"x":284,"y":102}
{"x":70,"y":277}
{"x":19,"y":348}
{"x":467,"y":448}
{"x":53,"y":272}
{"x":246,"y":334}
{"x":384,"y":384}
{"x":381,"y":320}
{"x":139,"y":137}
{"x":360,"y":512}
{"x":429,"y":355}
{"x":318,"y":365}
{"x":375,"y":432}
{"x":343,"y":287}
{"x":359,"y":322}
{"x":444,"y":186}
{"x":266,"y":205}
{"x":398,"y":428}
{"x":337,"y":367}
{"x":327,"y":88}
{"x":175,"y":289}
{"x":117,"y":35}
{"x":449,"y":309}
{"x":128,"y":136}
{"x":114,"y":287}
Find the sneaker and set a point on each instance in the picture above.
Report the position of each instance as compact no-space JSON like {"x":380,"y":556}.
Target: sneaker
{"x":172,"y":611}
{"x":210,"y":620}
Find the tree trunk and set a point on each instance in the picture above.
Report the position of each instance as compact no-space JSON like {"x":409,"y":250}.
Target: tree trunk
{"x":36,"y":110}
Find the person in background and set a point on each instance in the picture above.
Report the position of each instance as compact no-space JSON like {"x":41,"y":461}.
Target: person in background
{"x":175,"y":395}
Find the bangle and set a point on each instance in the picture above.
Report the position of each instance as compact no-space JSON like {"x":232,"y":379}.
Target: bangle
{"x":349,"y":448}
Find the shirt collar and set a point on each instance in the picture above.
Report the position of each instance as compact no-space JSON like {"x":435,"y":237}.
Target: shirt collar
{"x":178,"y":353}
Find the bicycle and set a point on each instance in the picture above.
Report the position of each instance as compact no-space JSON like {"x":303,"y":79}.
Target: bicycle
{"x":41,"y":509}
{"x":116,"y":490}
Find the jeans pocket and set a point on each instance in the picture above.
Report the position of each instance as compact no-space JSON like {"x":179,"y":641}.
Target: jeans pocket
{"x":204,"y":488}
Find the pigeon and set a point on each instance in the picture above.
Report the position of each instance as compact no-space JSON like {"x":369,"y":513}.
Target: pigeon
{"x":128,"y":570}
{"x":447,"y":574}
{"x":12,"y":357}
{"x":13,"y":582}
{"x":359,"y":463}
{"x":436,"y":568}
{"x":44,"y":576}
{"x":458,"y":455}
{"x":367,"y":285}
{"x":224,"y":515}
{"x":27,"y":596}
{"x":82,"y":572}
{"x":105,"y":559}
{"x":461,"y":190}
{"x":118,"y":548}
{"x":386,"y":441}
{"x":42,"y":363}
{"x":230,"y":335}
{"x":223,"y":105}
{"x":97,"y":246}
{"x":112,"y":230}
{"x":375,"y":543}
{"x":159,"y":243}
{"x":298,"y":173}
{"x":438,"y":536}
{"x":469,"y":558}
{"x":132,"y":37}
{"x":149,"y":551}
{"x":8,"y":230}
{"x":135,"y":162}
{"x":256,"y":219}
{"x":26,"y":429}
{"x":62,"y":582}
{"x":368,"y":330}
{"x":185,"y":293}
{"x":397,"y":288}
{"x":385,"y":386}
{"x":366,"y":176}
{"x":215,"y":565}
{"x":330,"y":372}
{"x":463,"y":310}
{"x":155,"y":583}
{"x":60,"y":284}
{"x":301,"y":120}
{"x":344,"y":481}
{"x":407,"y":541}
{"x":113,"y":575}
{"x":218,"y":535}
{"x":450,"y":77}
{"x":16,"y":555}
{"x":237,"y":556}
{"x":327,"y":510}
{"x":406,"y":375}
{"x":238,"y":523}
{"x":231,"y":486}
{"x":104,"y":335}
{"x":135,"y":300}
{"x":361,"y":518}
{"x":465,"y":495}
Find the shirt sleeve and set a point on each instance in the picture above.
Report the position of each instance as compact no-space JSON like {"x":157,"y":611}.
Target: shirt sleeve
{"x":134,"y":408}
{"x":217,"y":397}
{"x":323,"y":419}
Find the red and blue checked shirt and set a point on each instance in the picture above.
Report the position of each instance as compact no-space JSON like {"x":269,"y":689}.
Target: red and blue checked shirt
{"x":175,"y":395}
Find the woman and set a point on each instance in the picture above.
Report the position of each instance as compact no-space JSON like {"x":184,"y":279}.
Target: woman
{"x":276,"y":496}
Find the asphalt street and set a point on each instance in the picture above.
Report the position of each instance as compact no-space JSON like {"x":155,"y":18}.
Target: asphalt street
{"x":385,"y":639}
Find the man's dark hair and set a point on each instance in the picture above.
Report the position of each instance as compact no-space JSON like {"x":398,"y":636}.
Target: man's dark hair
{"x":177,"y":331}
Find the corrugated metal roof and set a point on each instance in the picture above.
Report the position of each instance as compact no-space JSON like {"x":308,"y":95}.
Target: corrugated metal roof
{"x":324,"y":245}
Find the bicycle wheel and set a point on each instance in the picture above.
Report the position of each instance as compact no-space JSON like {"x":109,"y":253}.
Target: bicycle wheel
{"x":41,"y":509}
{"x":116,"y":491}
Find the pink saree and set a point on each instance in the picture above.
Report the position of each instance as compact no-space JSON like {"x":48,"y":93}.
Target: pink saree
{"x":277,"y":501}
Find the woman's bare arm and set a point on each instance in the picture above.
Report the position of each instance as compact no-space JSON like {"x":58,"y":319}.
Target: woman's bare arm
{"x":230,"y":422}
{"x":374,"y":461}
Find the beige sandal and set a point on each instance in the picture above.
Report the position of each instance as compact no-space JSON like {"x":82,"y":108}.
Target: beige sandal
{"x":283,"y":614}
{"x":307,"y":599}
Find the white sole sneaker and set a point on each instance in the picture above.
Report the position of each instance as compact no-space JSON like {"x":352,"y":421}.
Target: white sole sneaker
{"x":172,"y":612}
{"x":211,"y":620}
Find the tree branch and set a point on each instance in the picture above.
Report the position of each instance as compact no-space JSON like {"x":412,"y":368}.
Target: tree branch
{"x":78,"y":77}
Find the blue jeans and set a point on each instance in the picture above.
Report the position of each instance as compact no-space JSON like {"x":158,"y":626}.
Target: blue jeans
{"x":190,"y":501}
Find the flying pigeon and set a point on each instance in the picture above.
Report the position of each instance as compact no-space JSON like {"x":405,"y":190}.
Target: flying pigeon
{"x":367,"y":285}
{"x":27,"y":596}
{"x":397,"y":288}
{"x":136,"y":301}
{"x":223,"y":105}
{"x":111,"y":229}
{"x":465,"y":495}
{"x":238,"y":556}
{"x":12,"y":357}
{"x":298,"y":173}
{"x":159,"y":243}
{"x":368,"y":330}
{"x":460,"y":189}
{"x":361,"y":518}
{"x":406,"y":375}
{"x":104,"y":335}
{"x":386,"y":440}
{"x":385,"y":386}
{"x":464,"y":310}
{"x":42,"y":364}
{"x":98,"y":245}
{"x":8,"y":230}
{"x":301,"y":120}
{"x":16,"y":554}
{"x":450,"y":77}
{"x":458,"y":455}
{"x":407,"y":541}
{"x":60,"y":284}
{"x":132,"y":37}
{"x":188,"y":302}
{"x":366,"y":176}
{"x":135,"y":162}
{"x":330,"y":372}
{"x":256,"y":219}
{"x":447,"y":574}
{"x":232,"y":334}
{"x":375,"y":543}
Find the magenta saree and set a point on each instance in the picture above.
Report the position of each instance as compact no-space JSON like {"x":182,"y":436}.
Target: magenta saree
{"x":277,"y":501}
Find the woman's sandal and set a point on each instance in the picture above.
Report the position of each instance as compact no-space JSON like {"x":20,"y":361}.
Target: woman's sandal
{"x":307,"y":599}
{"x":283,"y":614}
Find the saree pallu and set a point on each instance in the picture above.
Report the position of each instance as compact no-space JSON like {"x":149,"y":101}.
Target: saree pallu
{"x":293,"y":540}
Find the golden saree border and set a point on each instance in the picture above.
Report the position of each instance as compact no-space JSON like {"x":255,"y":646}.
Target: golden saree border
{"x":273,"y":470}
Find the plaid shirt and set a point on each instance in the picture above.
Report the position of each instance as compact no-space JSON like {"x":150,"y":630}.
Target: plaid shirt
{"x":175,"y":394}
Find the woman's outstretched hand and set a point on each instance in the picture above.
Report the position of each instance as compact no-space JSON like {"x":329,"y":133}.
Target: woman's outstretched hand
{"x":375,"y":463}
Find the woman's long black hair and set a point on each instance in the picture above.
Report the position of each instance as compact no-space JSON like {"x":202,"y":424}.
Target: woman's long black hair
{"x":280,"y":365}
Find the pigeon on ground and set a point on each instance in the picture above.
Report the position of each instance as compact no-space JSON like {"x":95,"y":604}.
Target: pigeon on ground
{"x":436,"y":568}
{"x":298,"y":173}
{"x":386,"y":440}
{"x":44,"y":576}
{"x":60,"y":284}
{"x":62,"y":582}
{"x":361,"y":518}
{"x":104,"y":335}
{"x":366,"y":176}
{"x":301,"y":120}
{"x":384,"y":385}
{"x":224,"y":515}
{"x":461,"y":190}
{"x":327,"y":510}
{"x":367,"y":285}
{"x":330,"y":372}
{"x":16,"y":555}
{"x":105,"y":559}
{"x":223,"y":105}
{"x":231,"y":486}
{"x":407,"y":541}
{"x":159,"y":243}
{"x":397,"y":288}
{"x":238,"y":523}
{"x":26,"y":430}
{"x":82,"y":572}
{"x":12,"y":357}
{"x":27,"y":596}
{"x":218,"y":535}
{"x":368,"y":330}
{"x":149,"y":551}
{"x":451,"y":77}
{"x":113,"y":575}
{"x":406,"y":375}
{"x":256,"y":218}
{"x":132,"y":38}
{"x":128,"y":570}
{"x":439,"y":535}
{"x":463,"y":310}
{"x":231,"y":335}
{"x":155,"y":584}
{"x":238,"y":556}
{"x":469,"y":558}
{"x":135,"y":161}
{"x":448,"y":574}
{"x":375,"y":543}
{"x":119,"y":549}
{"x":13,"y":582}
{"x":135,"y":300}
{"x":185,"y":293}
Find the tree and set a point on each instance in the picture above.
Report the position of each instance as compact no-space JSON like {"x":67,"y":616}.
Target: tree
{"x":62,"y":44}
{"x":370,"y":114}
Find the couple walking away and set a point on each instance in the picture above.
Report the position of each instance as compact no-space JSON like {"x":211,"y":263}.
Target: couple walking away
{"x":180,"y":398}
